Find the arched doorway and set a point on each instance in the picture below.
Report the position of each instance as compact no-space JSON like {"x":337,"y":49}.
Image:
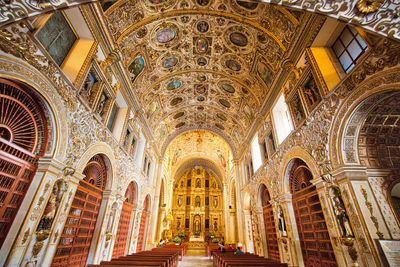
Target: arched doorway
{"x":23,"y":138}
{"x":76,"y":237}
{"x":143,"y":221}
{"x":313,"y":232}
{"x":269,"y":224}
{"x":124,"y":222}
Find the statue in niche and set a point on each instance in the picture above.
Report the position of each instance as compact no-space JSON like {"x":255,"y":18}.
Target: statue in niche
{"x":340,"y":212}
{"x":178,"y":225}
{"x":282,"y":223}
{"x":196,"y":224}
{"x":181,"y":184}
{"x":215,"y":202}
{"x":215,"y":226}
{"x":52,"y":206}
{"x":198,"y":183}
{"x":213,"y":185}
{"x":102,"y":105}
{"x":310,"y":91}
{"x":197,"y":202}
{"x":179,"y":201}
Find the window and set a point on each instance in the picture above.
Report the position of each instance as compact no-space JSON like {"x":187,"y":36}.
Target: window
{"x":271,"y":142}
{"x":349,"y":47}
{"x":57,"y":37}
{"x":256,"y":153}
{"x":282,"y":119}
{"x":264,"y":150}
{"x":110,"y":123}
{"x":126,"y":138}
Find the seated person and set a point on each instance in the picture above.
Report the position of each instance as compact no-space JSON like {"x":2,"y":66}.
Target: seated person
{"x":230,"y":247}
{"x":239,"y":251}
{"x":161,"y":243}
{"x":221,"y":248}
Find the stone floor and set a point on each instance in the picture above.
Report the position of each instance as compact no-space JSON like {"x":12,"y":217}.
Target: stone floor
{"x":195,"y":258}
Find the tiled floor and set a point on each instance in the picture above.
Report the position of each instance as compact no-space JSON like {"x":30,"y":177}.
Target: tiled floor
{"x":195,"y":258}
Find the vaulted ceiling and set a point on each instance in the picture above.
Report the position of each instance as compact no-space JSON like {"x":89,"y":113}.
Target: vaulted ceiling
{"x":201,"y":64}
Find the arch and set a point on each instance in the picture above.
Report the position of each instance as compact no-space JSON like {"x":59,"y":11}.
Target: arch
{"x":143,"y":224}
{"x":73,"y":248}
{"x":50,"y":100}
{"x":109,"y":159}
{"x":343,"y":142}
{"x":23,"y":140}
{"x":269,"y":223}
{"x":287,"y":162}
{"x":124,"y":223}
{"x":313,"y":232}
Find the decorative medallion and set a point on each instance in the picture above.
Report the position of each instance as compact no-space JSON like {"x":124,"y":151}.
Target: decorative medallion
{"x":203,"y":26}
{"x":201,"y":98}
{"x":200,"y":116}
{"x":238,"y":39}
{"x":368,"y":6}
{"x":203,"y":2}
{"x":247,"y":5}
{"x":169,"y":62}
{"x":201,"y":78}
{"x":220,"y":126}
{"x":228,"y":88}
{"x":233,"y":65}
{"x":200,"y":88}
{"x":202,"y":45}
{"x":180,"y":124}
{"x":176,"y":101}
{"x":225,"y":103}
{"x":173,"y":85}
{"x":202,"y":61}
{"x":264,"y":73}
{"x":166,"y":35}
{"x":137,"y":66}
{"x":178,"y":115}
{"x":200,"y":108}
{"x":141,"y":33}
{"x":221,"y":117}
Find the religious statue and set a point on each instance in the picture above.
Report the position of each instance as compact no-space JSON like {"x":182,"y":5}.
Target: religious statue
{"x":197,"y":201}
{"x":102,"y":104}
{"x":215,"y":202}
{"x":198,"y":183}
{"x":340,"y":212}
{"x":310,"y":92}
{"x":52,"y":205}
{"x":215,"y":226}
{"x":282,"y":223}
{"x":179,"y":201}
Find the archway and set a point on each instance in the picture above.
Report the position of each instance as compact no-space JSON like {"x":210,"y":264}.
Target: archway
{"x":313,"y":232}
{"x":76,"y":237}
{"x":124,"y":222}
{"x":143,"y":222}
{"x":23,"y":139}
{"x":269,"y":224}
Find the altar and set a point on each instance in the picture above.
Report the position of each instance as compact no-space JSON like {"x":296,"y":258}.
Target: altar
{"x":196,"y":238}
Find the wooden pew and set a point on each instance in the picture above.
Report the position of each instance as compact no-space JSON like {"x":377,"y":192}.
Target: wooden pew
{"x":229,"y":259}
{"x":180,"y":250}
{"x":184,"y":246}
{"x":210,"y":248}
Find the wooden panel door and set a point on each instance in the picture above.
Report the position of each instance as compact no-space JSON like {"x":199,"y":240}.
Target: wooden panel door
{"x":142,"y":227}
{"x":23,"y":137}
{"x":123,"y":229}
{"x":270,"y":230}
{"x":76,"y":237}
{"x":313,"y":232}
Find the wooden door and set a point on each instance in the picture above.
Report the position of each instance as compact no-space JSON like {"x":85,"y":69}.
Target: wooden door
{"x":123,"y":229}
{"x":23,"y":137}
{"x":270,"y":229}
{"x":74,"y":245}
{"x":142,"y":227}
{"x":313,"y":232}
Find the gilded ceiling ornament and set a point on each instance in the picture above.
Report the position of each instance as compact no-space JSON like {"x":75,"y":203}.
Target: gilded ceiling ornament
{"x":369,"y":6}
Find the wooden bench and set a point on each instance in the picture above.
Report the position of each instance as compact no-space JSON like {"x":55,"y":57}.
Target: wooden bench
{"x":184,"y":246}
{"x":180,"y":250}
{"x":210,"y":248}
{"x":229,"y":259}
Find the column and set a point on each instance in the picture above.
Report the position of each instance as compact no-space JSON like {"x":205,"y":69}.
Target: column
{"x":154,"y":220}
{"x":239,"y":198}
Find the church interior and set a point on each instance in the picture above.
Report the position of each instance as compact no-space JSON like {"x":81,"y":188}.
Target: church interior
{"x":269,"y":125}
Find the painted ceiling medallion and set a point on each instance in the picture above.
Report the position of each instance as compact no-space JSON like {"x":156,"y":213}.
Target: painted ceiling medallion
{"x":137,"y":66}
{"x":178,"y":115}
{"x":176,"y":101}
{"x":203,"y":26}
{"x":247,"y":5}
{"x":238,"y":39}
{"x":228,"y":88}
{"x":155,"y":2}
{"x":225,"y":103}
{"x":173,"y":85}
{"x":368,"y":6}
{"x":203,"y":2}
{"x":221,"y":117}
{"x":201,"y":98}
{"x":202,"y":45}
{"x":166,"y":35}
{"x":169,"y":62}
{"x":233,"y":65}
{"x":179,"y":125}
{"x":202,"y":61}
{"x":201,"y":116}
{"x":200,"y":88}
{"x":200,"y":108}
